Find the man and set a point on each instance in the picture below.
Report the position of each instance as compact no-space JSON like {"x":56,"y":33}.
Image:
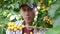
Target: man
{"x":28,"y":14}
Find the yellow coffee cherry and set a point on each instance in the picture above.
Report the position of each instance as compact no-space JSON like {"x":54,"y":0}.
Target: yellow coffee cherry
{"x":45,"y":18}
{"x":48,"y":19}
{"x":25,"y":33}
{"x":10,"y":24}
{"x":20,"y":27}
{"x":50,"y":22}
{"x":15,"y":29}
{"x":10,"y":28}
{"x":23,"y":26}
{"x":37,"y":33}
{"x":31,"y":33}
{"x":0,"y":24}
{"x":44,"y":7}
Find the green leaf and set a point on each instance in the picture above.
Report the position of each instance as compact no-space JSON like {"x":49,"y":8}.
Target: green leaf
{"x":31,"y":1}
{"x":37,"y":1}
{"x":0,"y":30}
{"x":55,"y":30}
{"x":4,"y":31}
{"x":50,"y":31}
{"x":54,"y":8}
{"x":24,"y":1}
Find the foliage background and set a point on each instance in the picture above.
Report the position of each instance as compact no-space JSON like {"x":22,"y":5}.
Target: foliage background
{"x":9,"y":11}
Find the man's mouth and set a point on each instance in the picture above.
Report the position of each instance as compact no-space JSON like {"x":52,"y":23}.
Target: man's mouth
{"x":28,"y":18}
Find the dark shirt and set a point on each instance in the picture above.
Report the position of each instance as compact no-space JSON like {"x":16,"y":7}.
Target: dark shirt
{"x":25,"y":30}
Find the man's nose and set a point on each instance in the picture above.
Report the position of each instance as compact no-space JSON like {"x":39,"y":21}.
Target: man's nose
{"x":27,"y":13}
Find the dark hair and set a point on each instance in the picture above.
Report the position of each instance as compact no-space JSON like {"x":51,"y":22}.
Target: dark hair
{"x":23,"y":5}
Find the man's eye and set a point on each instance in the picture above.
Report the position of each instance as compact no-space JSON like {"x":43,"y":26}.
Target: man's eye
{"x":24,"y":10}
{"x":29,"y":9}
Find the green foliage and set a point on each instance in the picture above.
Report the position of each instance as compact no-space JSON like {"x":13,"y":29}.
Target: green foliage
{"x":54,"y":12}
{"x":55,"y":30}
{"x":2,"y":30}
{"x":43,"y":11}
{"x":9,"y":8}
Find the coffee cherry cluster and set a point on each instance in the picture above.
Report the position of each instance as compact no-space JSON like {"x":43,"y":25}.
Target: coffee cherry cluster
{"x":13,"y":27}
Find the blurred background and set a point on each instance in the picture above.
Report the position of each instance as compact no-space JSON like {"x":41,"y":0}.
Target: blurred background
{"x":48,"y":14}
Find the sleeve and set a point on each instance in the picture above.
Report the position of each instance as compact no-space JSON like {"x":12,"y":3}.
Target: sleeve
{"x":9,"y":32}
{"x":35,"y":31}
{"x":19,"y":22}
{"x":18,"y":32}
{"x":42,"y":31}
{"x":39,"y":31}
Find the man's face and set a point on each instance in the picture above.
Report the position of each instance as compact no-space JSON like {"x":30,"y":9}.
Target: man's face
{"x":27,"y":13}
